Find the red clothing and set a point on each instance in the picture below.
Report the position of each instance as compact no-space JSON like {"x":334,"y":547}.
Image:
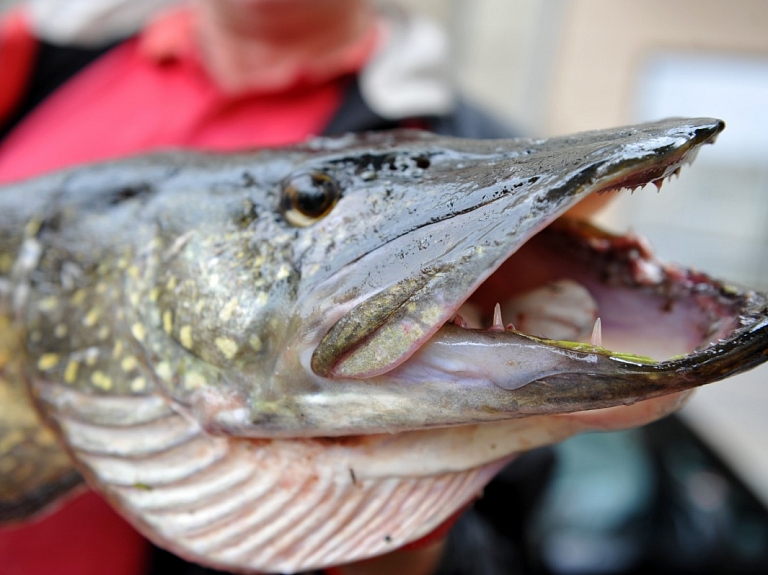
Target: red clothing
{"x":84,"y":537}
{"x":17,"y":52}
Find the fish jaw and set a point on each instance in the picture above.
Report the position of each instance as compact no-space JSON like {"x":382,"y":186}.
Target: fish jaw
{"x":459,"y":249}
{"x":422,"y":224}
{"x":665,"y":330}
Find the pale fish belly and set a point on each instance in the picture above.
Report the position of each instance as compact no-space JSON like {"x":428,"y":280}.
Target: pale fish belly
{"x":285,"y":505}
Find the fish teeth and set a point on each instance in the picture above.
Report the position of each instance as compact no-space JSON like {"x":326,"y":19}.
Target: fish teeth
{"x":597,"y":334}
{"x":498,"y":323}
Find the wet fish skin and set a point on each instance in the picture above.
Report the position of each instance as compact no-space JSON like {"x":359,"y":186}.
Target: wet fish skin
{"x":170,"y":304}
{"x":34,"y":469}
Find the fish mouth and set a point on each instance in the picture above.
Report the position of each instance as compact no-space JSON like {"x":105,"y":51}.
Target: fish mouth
{"x":653,"y":328}
{"x":590,"y":319}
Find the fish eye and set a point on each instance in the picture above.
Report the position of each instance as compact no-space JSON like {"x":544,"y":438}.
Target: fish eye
{"x":308,"y":197}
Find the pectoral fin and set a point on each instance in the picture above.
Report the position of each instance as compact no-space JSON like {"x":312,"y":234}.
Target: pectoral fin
{"x":34,"y":470}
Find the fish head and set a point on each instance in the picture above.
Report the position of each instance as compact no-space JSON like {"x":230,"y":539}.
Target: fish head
{"x":385,"y":236}
{"x":442,"y":214}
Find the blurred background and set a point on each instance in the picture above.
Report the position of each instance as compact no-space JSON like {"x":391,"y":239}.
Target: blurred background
{"x":558,"y":66}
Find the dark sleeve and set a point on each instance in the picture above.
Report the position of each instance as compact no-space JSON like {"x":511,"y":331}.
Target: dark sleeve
{"x":469,"y":121}
{"x":354,"y":114}
{"x":466,"y":120}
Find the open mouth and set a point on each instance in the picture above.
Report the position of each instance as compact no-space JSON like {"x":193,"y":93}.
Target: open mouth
{"x":576,"y":301}
{"x":572,"y":318}
{"x":580,"y":288}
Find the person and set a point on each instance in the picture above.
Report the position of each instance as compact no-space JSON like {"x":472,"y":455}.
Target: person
{"x":228,"y":75}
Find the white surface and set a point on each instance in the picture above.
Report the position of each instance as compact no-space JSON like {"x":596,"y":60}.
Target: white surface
{"x":731,"y":417}
{"x":732,"y":88}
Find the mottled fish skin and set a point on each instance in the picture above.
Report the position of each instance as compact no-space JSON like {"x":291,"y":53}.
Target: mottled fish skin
{"x":190,"y":335}
{"x":35,"y":470}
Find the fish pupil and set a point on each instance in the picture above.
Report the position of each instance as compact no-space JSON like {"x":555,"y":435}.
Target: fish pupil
{"x":308,"y":197}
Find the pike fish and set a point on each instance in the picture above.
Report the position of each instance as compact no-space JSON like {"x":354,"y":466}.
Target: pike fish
{"x":288,"y":359}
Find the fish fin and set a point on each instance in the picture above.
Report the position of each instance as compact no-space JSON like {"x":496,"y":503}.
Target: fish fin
{"x":35,"y":471}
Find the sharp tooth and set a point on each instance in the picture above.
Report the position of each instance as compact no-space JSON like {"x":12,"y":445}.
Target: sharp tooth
{"x":498,"y":323}
{"x":658,"y":183}
{"x":597,"y":334}
{"x":510,"y":327}
{"x":459,"y":321}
